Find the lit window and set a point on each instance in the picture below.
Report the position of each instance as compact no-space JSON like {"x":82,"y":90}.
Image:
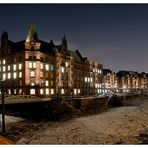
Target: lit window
{"x":52,"y":68}
{"x":14,"y":67}
{"x":30,"y":65}
{"x":32,"y":74}
{"x":34,"y":65}
{"x":20,"y":66}
{"x":88,"y":79}
{"x":14,"y":75}
{"x":32,"y":84}
{"x":62,"y":69}
{"x":46,"y":75}
{"x":41,"y":66}
{"x":4,"y":76}
{"x":32,"y":91}
{"x":47,"y":67}
{"x":20,"y":74}
{"x":47,"y":91}
{"x":91,"y":79}
{"x":20,"y":91}
{"x":75,"y":91}
{"x":85,"y":79}
{"x":0,"y":68}
{"x":78,"y":91}
{"x":52,"y":91}
{"x":8,"y":67}
{"x":14,"y":91}
{"x":46,"y":83}
{"x":41,"y":74}
{"x":62,"y":91}
{"x":66,"y":63}
{"x":41,"y":92}
{"x":4,"y":61}
{"x":9,"y":92}
{"x":4,"y":68}
{"x":100,"y":71}
{"x":9,"y":75}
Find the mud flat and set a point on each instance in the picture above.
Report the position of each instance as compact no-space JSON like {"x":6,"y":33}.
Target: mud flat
{"x":120,"y":125}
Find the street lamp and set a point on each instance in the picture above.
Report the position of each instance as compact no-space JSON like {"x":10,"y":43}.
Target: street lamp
{"x":3,"y":104}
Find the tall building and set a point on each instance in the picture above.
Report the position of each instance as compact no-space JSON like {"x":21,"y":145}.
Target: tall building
{"x":109,"y":80}
{"x":36,"y":67}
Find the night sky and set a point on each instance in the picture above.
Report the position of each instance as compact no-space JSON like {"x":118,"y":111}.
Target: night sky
{"x":113,"y":35}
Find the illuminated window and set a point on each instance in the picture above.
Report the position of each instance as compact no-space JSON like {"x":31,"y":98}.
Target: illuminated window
{"x":32,"y":74}
{"x":47,"y":67}
{"x":14,"y":91}
{"x":20,"y":91}
{"x":85,"y":79}
{"x":4,"y":68}
{"x":30,"y":64}
{"x":14,"y":75}
{"x":47,"y":91}
{"x":20,"y":66}
{"x":62,"y":69}
{"x":32,"y":84}
{"x":52,"y":68}
{"x":34,"y":65}
{"x":46,"y":83}
{"x":4,"y":76}
{"x":20,"y":74}
{"x":0,"y":68}
{"x":4,"y":61}
{"x":46,"y":75}
{"x":41,"y":66}
{"x":78,"y":91}
{"x":32,"y":91}
{"x":75,"y":91}
{"x":9,"y":92}
{"x":62,"y":91}
{"x":91,"y":79}
{"x":41,"y":74}
{"x":66,"y":63}
{"x":14,"y":67}
{"x":88,"y":79}
{"x":8,"y":67}
{"x":41,"y":91}
{"x":52,"y":91}
{"x":9,"y":75}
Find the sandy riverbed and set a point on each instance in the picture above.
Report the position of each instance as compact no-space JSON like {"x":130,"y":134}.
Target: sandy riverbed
{"x":120,"y":125}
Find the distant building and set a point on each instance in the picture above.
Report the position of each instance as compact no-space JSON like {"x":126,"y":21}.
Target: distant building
{"x":130,"y":81}
{"x":36,"y":67}
{"x":109,"y":80}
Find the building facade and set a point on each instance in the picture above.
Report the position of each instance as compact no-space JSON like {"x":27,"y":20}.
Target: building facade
{"x":109,"y":80}
{"x":36,"y":67}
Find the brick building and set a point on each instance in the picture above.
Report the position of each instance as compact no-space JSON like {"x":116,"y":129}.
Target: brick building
{"x":43,"y":69}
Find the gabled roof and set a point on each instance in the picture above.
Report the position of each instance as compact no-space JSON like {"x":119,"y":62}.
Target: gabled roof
{"x":76,"y":55}
{"x":106,"y":71}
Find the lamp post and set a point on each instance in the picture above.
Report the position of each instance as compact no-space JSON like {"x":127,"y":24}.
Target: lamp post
{"x":3,"y":105}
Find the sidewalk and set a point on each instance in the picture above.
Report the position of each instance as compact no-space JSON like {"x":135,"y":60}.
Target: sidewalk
{"x":4,"y":140}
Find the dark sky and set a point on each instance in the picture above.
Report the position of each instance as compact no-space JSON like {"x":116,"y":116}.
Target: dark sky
{"x":114,"y":35}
